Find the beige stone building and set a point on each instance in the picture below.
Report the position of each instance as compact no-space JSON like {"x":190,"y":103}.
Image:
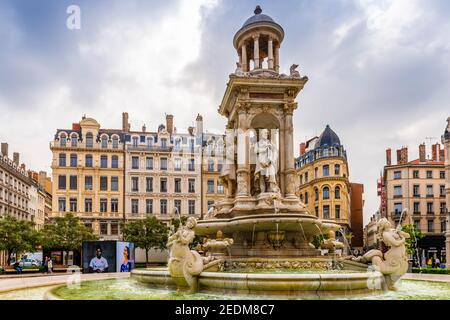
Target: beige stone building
{"x":370,"y":233}
{"x":88,"y":176}
{"x":446,"y":142}
{"x":419,"y":186}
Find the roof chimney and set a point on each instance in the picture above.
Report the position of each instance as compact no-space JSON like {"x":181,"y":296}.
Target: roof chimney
{"x":169,"y":123}
{"x":302,"y":148}
{"x":422,"y":153}
{"x":144,"y":128}
{"x":16,"y":158}
{"x":388,"y":156}
{"x":76,"y":127}
{"x":404,"y":155}
{"x":199,"y":124}
{"x":125,"y":124}
{"x":42,"y":178}
{"x":22,"y":166}
{"x":442,"y":155}
{"x":4,"y":149}
{"x":399,"y":156}
{"x":435,"y":148}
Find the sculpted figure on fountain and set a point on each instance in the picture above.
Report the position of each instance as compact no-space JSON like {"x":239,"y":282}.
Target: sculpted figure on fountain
{"x":266,"y":164}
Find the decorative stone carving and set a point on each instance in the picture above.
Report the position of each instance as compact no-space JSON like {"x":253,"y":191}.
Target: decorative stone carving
{"x":220,"y":243}
{"x":266,"y":164}
{"x":239,"y":71}
{"x":294,"y":73}
{"x":184,"y":264}
{"x":331,"y":243}
{"x":242,"y":184}
{"x":394,"y":263}
{"x":263,"y":264}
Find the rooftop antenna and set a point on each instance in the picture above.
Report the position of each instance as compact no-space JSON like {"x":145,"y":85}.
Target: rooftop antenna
{"x":430,"y":139}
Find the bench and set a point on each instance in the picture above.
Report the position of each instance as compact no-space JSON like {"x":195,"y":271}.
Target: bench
{"x":10,"y":269}
{"x":64,"y":268}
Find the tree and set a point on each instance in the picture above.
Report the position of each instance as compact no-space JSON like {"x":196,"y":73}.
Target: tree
{"x":146,"y":234}
{"x":66,"y":233}
{"x":414,"y":236}
{"x":17,"y":236}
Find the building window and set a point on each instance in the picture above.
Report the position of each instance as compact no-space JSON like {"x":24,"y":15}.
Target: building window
{"x":163,"y":206}
{"x":149,"y":163}
{"x":103,"y":227}
{"x":88,"y":205}
{"x":416,"y":174}
{"x":149,"y":142}
{"x":134,"y":184}
{"x":73,"y":160}
{"x":306,"y":177}
{"x":89,"y":140}
{"x":191,"y":205}
{"x":73,"y":183}
{"x":103,"y":161}
{"x":442,"y":207}
{"x":316,"y":173}
{"x":429,"y":174}
{"x":88,"y":182}
{"x":429,"y":191}
{"x":134,"y":162}
{"x":337,"y":210}
{"x":163,"y":184}
{"x":149,"y":206}
{"x":220,"y":187}
{"x":326,"y":193}
{"x":191,"y":164}
{"x":191,"y":185}
{"x":306,"y":197}
{"x":103,"y":205}
{"x":114,"y":162}
{"x":135,"y":142}
{"x":61,"y":182}
{"x":316,"y":194}
{"x":104,"y":142}
{"x":134,"y":206}
{"x":163,"y":164}
{"x":62,"y":159}
{"x":210,"y":165}
{"x":115,"y":143}
{"x":73,"y":204}
{"x":326,"y":170}
{"x":337,"y":192}
{"x":416,"y":206}
{"x":398,"y":208}
{"x":177,"y":185}
{"x":337,"y":169}
{"x":177,"y":164}
{"x":191,"y":145}
{"x":397,"y":191}
{"x":430,"y":226}
{"x":114,"y":228}
{"x":219,"y":166}
{"x":62,"y":140}
{"x":443,"y":226}
{"x":326,"y":212}
{"x":103,"y":183}
{"x":114,"y":183}
{"x":62,"y":204}
{"x":397,"y":174}
{"x":163,"y":143}
{"x":210,"y":204}
{"x":210,"y":186}
{"x":442,"y":191}
{"x":442,"y":174}
{"x":177,"y":206}
{"x":430,"y":207}
{"x":417,"y":224}
{"x":74,"y":140}
{"x":114,"y":205}
{"x":316,"y":210}
{"x":88,"y":161}
{"x":416,"y":190}
{"x":149,"y":184}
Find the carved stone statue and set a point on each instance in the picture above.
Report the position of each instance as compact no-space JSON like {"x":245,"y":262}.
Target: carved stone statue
{"x":239,"y":71}
{"x":266,"y":163}
{"x":184,"y":264}
{"x":394,"y":263}
{"x":294,"y":73}
{"x":220,"y":243}
{"x":331,"y":243}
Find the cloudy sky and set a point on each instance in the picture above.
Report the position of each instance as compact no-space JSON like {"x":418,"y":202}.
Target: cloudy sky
{"x":379,"y":70}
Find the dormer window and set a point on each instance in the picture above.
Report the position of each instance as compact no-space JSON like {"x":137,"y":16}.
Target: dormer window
{"x":115,"y":142}
{"x":164,"y":143}
{"x":89,"y":140}
{"x":135,"y":142}
{"x":62,"y":140}
{"x":74,"y":140}
{"x":149,"y":141}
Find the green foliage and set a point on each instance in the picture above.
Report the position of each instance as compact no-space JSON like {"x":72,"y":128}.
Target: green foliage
{"x":318,"y":240}
{"x":414,"y":236}
{"x":18,"y":236}
{"x":67,"y":233}
{"x":431,"y":270}
{"x":149,"y":233}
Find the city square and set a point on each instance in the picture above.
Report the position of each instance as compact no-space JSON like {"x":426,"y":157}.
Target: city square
{"x":250,"y":211}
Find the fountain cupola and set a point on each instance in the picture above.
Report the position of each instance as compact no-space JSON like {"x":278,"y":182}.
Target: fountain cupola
{"x":258,"y":43}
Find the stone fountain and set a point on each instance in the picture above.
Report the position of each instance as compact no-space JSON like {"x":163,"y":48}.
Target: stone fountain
{"x":259,"y":239}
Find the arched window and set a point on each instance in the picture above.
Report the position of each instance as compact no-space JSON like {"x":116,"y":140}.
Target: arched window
{"x":73,"y":160}
{"x":114,"y":162}
{"x":337,"y":169}
{"x":74,"y":140}
{"x":316,"y":194}
{"x":326,"y":170}
{"x":104,"y":142}
{"x":337,"y":192}
{"x":62,"y":140}
{"x":115,"y":142}
{"x":326,"y":193}
{"x":89,"y":140}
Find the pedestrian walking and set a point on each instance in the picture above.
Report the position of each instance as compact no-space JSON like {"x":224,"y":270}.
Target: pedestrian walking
{"x":46,"y":264}
{"x":437,"y":263}
{"x":50,"y":265}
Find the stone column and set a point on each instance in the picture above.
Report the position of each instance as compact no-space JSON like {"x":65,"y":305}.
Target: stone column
{"x":256,"y":52}
{"x":244,"y":58}
{"x":270,"y":53}
{"x":242,"y":172}
{"x":277,"y":58}
{"x":289,"y":166}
